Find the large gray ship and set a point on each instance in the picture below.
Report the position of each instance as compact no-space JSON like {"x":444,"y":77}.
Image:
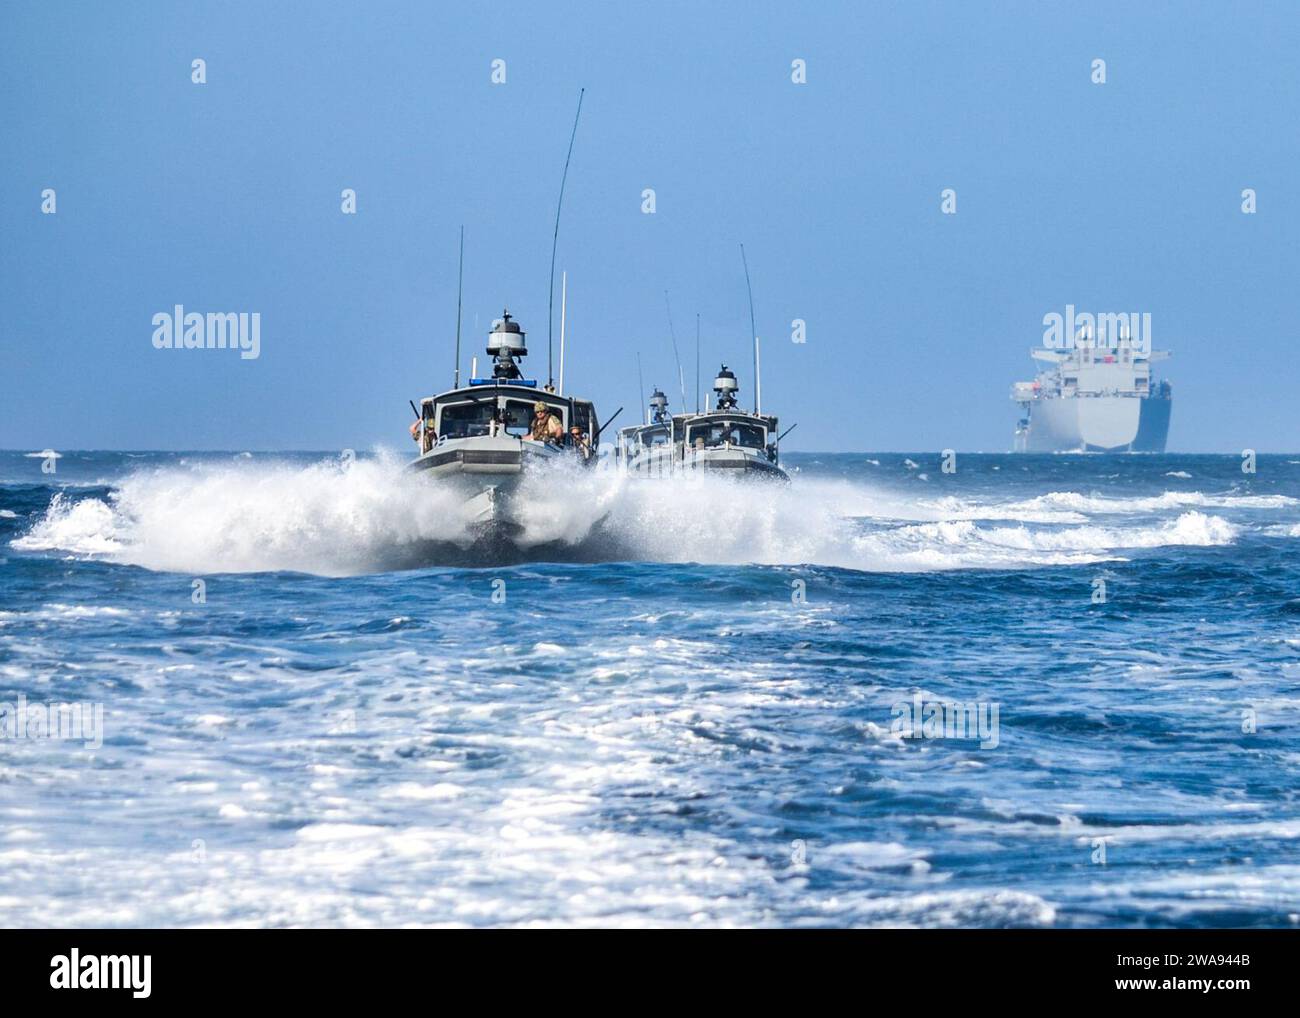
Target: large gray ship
{"x":1095,"y":397}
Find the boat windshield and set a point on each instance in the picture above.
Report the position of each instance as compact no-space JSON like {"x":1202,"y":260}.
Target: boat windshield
{"x":466,"y":420}
{"x":519,"y":415}
{"x":473,"y":419}
{"x":651,"y":437}
{"x":727,"y":433}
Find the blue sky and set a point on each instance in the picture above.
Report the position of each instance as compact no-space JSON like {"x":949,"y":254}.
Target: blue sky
{"x":226,"y":197}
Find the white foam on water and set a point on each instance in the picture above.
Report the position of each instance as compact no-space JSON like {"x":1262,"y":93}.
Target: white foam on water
{"x":252,"y":515}
{"x":964,"y":544}
{"x":1169,"y":500}
{"x":839,"y":524}
{"x":531,"y":871}
{"x":952,"y":508}
{"x":249,"y":516}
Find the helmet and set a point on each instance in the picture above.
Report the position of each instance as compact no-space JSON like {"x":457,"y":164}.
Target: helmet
{"x":539,"y":406}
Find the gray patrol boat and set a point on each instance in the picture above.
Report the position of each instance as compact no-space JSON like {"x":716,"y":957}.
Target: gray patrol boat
{"x":478,"y":438}
{"x":724,"y":440}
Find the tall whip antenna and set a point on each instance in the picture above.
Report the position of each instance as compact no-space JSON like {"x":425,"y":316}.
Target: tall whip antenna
{"x":555,"y":239}
{"x":697,"y":362}
{"x":564,"y":291}
{"x":681,"y":378}
{"x":460,"y":281}
{"x":753,"y":331}
{"x":640,"y":388}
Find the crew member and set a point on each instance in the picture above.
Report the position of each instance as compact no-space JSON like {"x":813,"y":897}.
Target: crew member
{"x":580,"y":442}
{"x":546,"y":425}
{"x":422,"y":432}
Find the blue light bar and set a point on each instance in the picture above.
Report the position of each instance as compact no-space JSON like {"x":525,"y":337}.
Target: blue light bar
{"x":530,"y":383}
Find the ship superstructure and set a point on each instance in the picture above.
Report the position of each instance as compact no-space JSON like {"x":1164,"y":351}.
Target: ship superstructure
{"x":1094,"y":397}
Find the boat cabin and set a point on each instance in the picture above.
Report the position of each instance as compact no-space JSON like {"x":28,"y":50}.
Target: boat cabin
{"x":503,"y":404}
{"x":493,"y":409}
{"x":726,"y":431}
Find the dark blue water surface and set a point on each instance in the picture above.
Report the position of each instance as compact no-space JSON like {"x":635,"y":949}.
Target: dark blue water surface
{"x":693,"y":720}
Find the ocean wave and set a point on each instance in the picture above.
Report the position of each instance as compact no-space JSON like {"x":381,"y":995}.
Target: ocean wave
{"x":512,"y":864}
{"x":954,"y":508}
{"x":259,"y":516}
{"x":963,"y":543}
{"x":1169,"y":500}
{"x":251,"y":517}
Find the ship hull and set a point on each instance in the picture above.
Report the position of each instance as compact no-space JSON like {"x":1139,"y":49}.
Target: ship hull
{"x":1097,"y":424}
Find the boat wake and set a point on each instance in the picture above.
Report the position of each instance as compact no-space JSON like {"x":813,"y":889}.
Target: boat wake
{"x":368,"y":516}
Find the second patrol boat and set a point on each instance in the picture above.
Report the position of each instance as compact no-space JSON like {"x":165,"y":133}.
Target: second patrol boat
{"x":725,"y":440}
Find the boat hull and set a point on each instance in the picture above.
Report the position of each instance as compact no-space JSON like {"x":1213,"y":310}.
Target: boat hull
{"x":732,"y":463}
{"x":486,"y":472}
{"x":1097,"y":424}
{"x":736,"y":463}
{"x":488,"y":526}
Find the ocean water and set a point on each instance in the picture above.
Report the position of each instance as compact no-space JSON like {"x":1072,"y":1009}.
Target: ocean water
{"x":694,"y":703}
